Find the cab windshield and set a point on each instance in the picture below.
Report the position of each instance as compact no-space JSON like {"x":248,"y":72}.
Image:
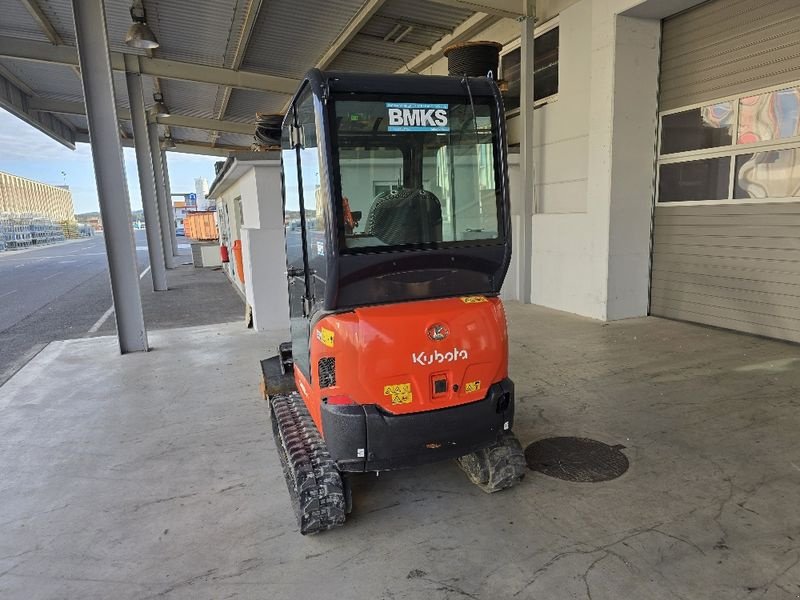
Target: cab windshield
{"x":417,"y":173}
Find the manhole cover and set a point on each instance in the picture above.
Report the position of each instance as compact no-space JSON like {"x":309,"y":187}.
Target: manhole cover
{"x":576,"y":459}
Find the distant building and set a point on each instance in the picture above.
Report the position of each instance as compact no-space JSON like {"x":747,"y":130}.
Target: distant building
{"x":22,"y":196}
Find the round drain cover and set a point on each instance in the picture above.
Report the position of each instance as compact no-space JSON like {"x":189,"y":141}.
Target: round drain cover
{"x":576,"y":459}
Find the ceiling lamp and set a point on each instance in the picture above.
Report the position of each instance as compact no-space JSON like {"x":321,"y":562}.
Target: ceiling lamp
{"x":159,"y":109}
{"x":169,"y":143}
{"x":139,"y":34}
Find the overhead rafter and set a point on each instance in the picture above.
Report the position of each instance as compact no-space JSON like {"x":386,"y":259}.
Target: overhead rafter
{"x":44,"y":23}
{"x":21,"y":49}
{"x":238,"y":56}
{"x":77,"y":108}
{"x":16,"y":100}
{"x":467,"y":30}
{"x":364,"y":14}
{"x":511,"y":9}
{"x":183,"y":146}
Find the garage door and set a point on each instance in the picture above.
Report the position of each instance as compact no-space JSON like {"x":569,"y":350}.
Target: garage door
{"x":726,"y":237}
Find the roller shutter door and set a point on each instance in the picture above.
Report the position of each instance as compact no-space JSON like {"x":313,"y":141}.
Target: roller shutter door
{"x":726,"y":236}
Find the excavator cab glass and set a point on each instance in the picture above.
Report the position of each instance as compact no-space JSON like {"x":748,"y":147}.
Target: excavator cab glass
{"x":425,"y":184}
{"x":395,"y":189}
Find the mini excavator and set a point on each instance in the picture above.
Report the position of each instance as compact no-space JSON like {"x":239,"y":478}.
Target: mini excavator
{"x":398,"y":239}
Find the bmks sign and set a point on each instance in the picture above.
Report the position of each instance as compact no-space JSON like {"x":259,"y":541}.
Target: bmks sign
{"x":410,"y":116}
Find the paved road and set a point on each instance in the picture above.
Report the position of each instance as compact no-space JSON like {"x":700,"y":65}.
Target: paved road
{"x":53,"y":293}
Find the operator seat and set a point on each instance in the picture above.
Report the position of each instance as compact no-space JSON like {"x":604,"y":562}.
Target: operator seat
{"x":405,"y":216}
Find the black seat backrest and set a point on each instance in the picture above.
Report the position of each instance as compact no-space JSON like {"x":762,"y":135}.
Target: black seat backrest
{"x":405,"y":216}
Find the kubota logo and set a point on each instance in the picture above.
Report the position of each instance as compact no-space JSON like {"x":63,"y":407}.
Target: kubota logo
{"x":429,"y":358}
{"x":438,"y":332}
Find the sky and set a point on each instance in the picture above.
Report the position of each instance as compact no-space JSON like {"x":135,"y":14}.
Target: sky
{"x":27,"y":152}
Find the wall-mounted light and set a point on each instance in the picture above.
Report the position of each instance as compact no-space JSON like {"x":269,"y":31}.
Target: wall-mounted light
{"x":139,"y":34}
{"x":159,"y":109}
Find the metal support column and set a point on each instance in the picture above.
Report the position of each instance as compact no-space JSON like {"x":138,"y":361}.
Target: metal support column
{"x":527,"y":166}
{"x":173,"y":233}
{"x":164,"y":203}
{"x":109,"y":169}
{"x":141,"y":141}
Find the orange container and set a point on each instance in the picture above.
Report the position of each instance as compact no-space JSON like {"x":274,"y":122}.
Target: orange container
{"x":200,"y":225}
{"x":237,"y":256}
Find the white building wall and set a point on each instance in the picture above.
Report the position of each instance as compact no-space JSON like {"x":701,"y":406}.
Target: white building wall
{"x":261,"y":232}
{"x":594,"y":154}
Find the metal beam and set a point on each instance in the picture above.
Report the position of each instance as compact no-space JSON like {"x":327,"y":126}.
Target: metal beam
{"x":173,"y":234}
{"x":63,"y":107}
{"x":21,"y":49}
{"x":207,"y":124}
{"x":528,"y":169}
{"x":467,"y":30}
{"x":112,"y":188}
{"x":238,"y":56}
{"x":16,"y":101}
{"x":499,"y":8}
{"x":147,"y":183}
{"x":364,"y":14}
{"x":181,"y":146}
{"x":44,"y":23}
{"x":161,"y":193}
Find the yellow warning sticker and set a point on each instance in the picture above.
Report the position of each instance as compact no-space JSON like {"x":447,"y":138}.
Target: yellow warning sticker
{"x":472,"y":386}
{"x":399,"y":392}
{"x":325,"y":336}
{"x":473,"y":299}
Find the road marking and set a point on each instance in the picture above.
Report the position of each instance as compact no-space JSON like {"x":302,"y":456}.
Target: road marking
{"x":18,"y":266}
{"x":51,"y":276}
{"x":66,"y":262}
{"x":99,"y":323}
{"x":7,"y":293}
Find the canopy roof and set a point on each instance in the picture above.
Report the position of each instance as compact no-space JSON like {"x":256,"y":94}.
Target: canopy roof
{"x":221,"y":61}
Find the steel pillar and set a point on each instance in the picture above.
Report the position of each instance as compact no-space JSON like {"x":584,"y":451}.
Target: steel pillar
{"x":527,"y":169}
{"x":109,"y":169}
{"x":152,"y":222}
{"x":161,"y":194}
{"x":173,"y":233}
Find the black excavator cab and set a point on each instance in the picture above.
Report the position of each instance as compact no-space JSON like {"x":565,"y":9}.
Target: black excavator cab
{"x":395,"y":189}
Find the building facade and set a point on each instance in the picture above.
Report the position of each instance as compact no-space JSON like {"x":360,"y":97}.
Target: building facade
{"x":666,"y":161}
{"x":21,"y":196}
{"x":666,"y":147}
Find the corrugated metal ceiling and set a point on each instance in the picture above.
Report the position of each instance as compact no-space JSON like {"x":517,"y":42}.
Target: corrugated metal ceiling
{"x":287,"y":39}
{"x":244,"y":104}
{"x":204,"y":33}
{"x":189,"y":98}
{"x":290,"y":38}
{"x":47,"y":80}
{"x":420,"y":22}
{"x":17,"y":22}
{"x":59,"y":14}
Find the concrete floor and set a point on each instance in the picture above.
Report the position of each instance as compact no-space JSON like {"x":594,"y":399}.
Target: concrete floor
{"x":155,"y":476}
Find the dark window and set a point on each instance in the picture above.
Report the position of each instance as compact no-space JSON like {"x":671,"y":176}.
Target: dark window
{"x":705,"y":127}
{"x":545,"y":69}
{"x":770,"y":174}
{"x":705,"y":179}
{"x":417,"y":173}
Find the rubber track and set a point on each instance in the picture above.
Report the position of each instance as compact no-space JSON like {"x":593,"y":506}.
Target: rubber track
{"x":315,"y":485}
